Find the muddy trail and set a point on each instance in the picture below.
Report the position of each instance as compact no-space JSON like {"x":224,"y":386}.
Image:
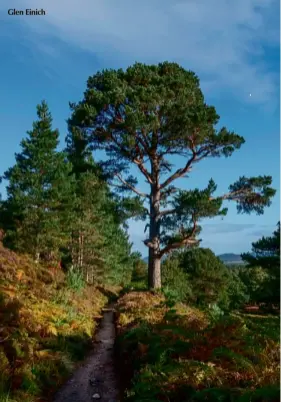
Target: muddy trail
{"x":96,"y":378}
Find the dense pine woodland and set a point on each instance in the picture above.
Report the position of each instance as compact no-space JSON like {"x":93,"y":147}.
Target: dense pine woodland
{"x":59,"y":209}
{"x":189,"y":327}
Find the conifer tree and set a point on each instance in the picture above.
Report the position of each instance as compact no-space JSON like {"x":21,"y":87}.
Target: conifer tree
{"x":266,"y":256}
{"x":38,"y":192}
{"x":145,"y":116}
{"x":265,"y":252}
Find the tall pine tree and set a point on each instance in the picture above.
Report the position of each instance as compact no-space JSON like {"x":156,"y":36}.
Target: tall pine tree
{"x":147,"y":118}
{"x":38,"y":192}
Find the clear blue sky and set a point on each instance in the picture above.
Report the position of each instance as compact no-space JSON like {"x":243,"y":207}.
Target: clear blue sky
{"x":232,"y":46}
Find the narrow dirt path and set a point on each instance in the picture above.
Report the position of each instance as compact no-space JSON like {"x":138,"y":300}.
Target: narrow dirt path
{"x":96,"y":378}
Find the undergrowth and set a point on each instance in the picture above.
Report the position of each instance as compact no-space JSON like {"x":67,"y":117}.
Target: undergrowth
{"x":175,"y":353}
{"x":46,"y":325}
{"x":74,"y":279}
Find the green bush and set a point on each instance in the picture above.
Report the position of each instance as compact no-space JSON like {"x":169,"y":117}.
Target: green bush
{"x":175,"y":282}
{"x":256,"y":280}
{"x":139,"y":271}
{"x":208,"y":276}
{"x":237,"y":291}
{"x":215,"y":313}
{"x":74,"y":279}
{"x":198,"y":276}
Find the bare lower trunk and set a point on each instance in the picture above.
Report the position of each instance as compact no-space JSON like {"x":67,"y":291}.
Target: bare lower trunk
{"x":154,"y":262}
{"x":154,"y":271}
{"x":80,"y":250}
{"x":72,"y":249}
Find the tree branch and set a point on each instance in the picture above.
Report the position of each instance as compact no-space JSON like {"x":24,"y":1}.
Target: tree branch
{"x":167,"y":212}
{"x":143,"y":170}
{"x":148,"y":243}
{"x":179,"y":244}
{"x":181,"y":172}
{"x":186,"y":241}
{"x":203,"y":153}
{"x":232,"y":196}
{"x":131,"y":187}
{"x":138,"y":162}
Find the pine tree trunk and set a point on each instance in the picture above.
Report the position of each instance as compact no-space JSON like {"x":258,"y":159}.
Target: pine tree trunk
{"x":154,"y":260}
{"x":79,"y":249}
{"x":82,"y":251}
{"x":154,"y":271}
{"x":72,"y":251}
